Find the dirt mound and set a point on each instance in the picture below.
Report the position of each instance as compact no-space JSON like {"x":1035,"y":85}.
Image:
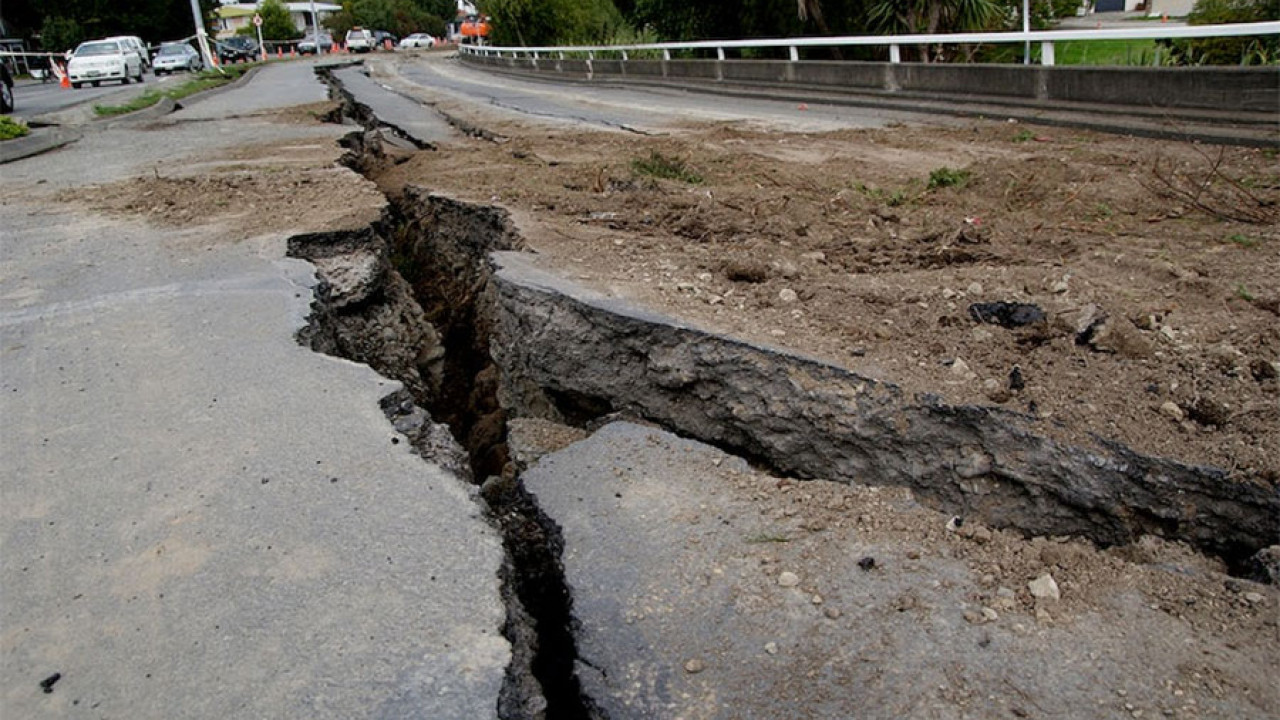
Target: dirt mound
{"x":1154,"y":262}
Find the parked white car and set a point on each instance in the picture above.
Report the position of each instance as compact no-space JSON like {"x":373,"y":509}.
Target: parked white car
{"x":98,"y":60}
{"x":359,"y":40}
{"x":177,"y":56}
{"x":418,"y":40}
{"x":135,"y":43}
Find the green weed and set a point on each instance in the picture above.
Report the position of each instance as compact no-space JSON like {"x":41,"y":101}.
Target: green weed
{"x":668,"y":168}
{"x":947,"y":177}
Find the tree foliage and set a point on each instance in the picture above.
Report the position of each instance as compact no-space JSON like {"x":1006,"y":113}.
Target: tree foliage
{"x":277,"y":24}
{"x":401,"y":17}
{"x":61,"y":25}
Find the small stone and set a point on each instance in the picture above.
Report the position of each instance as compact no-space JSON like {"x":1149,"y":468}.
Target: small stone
{"x":817,"y":256}
{"x":867,"y":563}
{"x":831,"y":613}
{"x":1043,"y":616}
{"x":694,"y":666}
{"x":975,"y":288}
{"x":1171,"y":410}
{"x":913,"y":554}
{"x":1263,"y":369}
{"x":816,"y":599}
{"x":771,"y":648}
{"x":980,"y":334}
{"x":1044,"y":588}
{"x":973,"y":617}
{"x":1253,"y":598}
{"x":961,"y":369}
{"x":981,"y":535}
{"x":990,"y":615}
{"x":1060,"y":286}
{"x":788,"y":579}
{"x":786,"y":268}
{"x":787,"y":295}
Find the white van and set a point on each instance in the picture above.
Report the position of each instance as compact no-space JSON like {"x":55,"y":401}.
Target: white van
{"x":135,"y":43}
{"x":99,"y":60}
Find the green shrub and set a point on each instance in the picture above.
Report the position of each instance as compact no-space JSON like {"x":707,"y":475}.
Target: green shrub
{"x":10,"y":128}
{"x":1247,"y":50}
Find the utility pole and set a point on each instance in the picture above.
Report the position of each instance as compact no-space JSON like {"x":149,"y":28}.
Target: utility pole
{"x":202,"y":38}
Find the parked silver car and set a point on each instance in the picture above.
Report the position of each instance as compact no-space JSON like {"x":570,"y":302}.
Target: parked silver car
{"x":98,"y":60}
{"x":177,"y":56}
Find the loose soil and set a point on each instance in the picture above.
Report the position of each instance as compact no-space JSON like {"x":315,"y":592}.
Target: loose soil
{"x":839,"y":246}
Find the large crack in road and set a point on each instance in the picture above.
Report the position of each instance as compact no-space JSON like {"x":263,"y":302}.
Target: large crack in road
{"x":434,"y":296}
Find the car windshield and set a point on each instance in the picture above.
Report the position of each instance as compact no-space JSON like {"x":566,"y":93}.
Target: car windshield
{"x":97,"y":48}
{"x":173,"y":49}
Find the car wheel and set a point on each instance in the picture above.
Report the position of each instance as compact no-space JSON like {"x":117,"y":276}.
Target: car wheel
{"x":76,"y":85}
{"x":125,"y":80}
{"x":97,"y":83}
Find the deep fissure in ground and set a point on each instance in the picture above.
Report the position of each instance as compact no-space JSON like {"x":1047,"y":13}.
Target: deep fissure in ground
{"x":404,"y":297}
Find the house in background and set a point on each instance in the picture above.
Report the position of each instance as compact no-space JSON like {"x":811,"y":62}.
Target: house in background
{"x":232,"y":17}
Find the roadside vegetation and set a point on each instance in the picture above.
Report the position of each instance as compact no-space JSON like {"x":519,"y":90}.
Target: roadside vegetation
{"x":10,"y":128}
{"x":206,"y":80}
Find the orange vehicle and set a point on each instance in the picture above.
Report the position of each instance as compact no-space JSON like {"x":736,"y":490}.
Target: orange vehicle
{"x":474,"y":28}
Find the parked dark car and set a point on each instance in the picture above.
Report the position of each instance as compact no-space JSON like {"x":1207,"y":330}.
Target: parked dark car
{"x":309,"y":45}
{"x":380,"y":37}
{"x":238,"y":49}
{"x":6,"y":89}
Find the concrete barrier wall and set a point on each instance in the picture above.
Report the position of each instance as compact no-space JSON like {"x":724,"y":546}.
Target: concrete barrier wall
{"x":1255,"y":89}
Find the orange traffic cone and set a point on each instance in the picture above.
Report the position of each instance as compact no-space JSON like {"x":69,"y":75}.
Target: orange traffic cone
{"x":66,"y":81}
{"x":279,"y":54}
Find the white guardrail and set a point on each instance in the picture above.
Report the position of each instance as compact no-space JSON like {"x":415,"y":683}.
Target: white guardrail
{"x":1046,"y":38}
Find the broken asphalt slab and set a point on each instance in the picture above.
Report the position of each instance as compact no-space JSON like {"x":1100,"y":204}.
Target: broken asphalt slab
{"x":202,"y":518}
{"x":420,"y":124}
{"x":702,"y":588}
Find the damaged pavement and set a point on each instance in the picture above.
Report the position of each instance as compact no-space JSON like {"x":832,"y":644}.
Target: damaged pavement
{"x":523,"y":499}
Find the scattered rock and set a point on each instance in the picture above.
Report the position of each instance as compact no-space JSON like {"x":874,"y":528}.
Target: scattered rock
{"x":1044,"y":588}
{"x":786,"y":268}
{"x":817,"y":256}
{"x":47,"y":684}
{"x":694,"y":666}
{"x":1171,"y":410}
{"x":961,"y":369}
{"x":990,"y":615}
{"x":1207,"y":411}
{"x":974,"y":617}
{"x":1254,"y":598}
{"x":1263,"y":369}
{"x":816,"y":599}
{"x":832,"y":613}
{"x":975,"y":288}
{"x":1006,"y":314}
{"x":867,"y":563}
{"x":771,"y":648}
{"x":1016,"y":381}
{"x":788,"y":579}
{"x":787,"y":295}
{"x":1264,"y":566}
{"x":746,"y":271}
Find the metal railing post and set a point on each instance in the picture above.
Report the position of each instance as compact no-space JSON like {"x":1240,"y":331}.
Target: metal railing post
{"x":1046,"y":53}
{"x":895,"y":54}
